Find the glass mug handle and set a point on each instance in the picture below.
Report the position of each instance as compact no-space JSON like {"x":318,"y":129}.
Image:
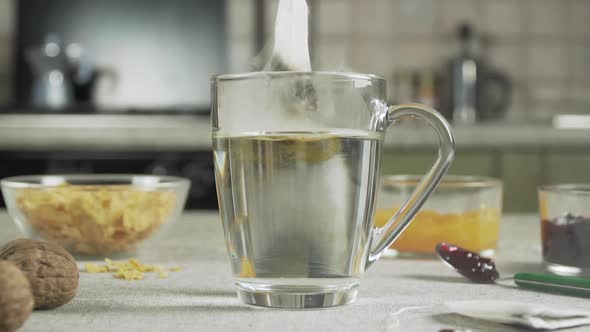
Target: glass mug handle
{"x":383,"y":237}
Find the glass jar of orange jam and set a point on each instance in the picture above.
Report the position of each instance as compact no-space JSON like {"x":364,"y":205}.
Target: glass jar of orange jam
{"x":465,"y":211}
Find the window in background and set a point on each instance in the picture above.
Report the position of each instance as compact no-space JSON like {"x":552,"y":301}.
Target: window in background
{"x":158,"y":54}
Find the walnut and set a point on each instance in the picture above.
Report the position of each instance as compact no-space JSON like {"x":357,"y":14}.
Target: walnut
{"x":16,"y":298}
{"x":51,"y":270}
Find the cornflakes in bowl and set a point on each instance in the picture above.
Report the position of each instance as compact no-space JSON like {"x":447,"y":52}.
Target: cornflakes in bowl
{"x":94,"y":214}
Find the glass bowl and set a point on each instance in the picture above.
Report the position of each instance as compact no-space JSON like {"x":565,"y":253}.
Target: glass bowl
{"x":463,"y":210}
{"x":565,"y":228}
{"x":94,"y":214}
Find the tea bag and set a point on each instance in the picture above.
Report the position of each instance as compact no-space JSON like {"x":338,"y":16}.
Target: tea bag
{"x":298,"y":213}
{"x":290,"y":49}
{"x":290,"y":52}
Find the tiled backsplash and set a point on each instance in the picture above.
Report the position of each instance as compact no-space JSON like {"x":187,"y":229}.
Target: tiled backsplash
{"x":543,"y":45}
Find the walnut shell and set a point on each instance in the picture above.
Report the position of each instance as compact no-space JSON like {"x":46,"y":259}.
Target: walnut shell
{"x":51,"y":270}
{"x":16,"y":297}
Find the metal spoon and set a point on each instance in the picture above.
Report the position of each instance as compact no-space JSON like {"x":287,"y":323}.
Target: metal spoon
{"x":483,"y":270}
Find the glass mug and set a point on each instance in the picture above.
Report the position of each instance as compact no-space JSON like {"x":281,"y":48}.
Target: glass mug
{"x":297,"y":157}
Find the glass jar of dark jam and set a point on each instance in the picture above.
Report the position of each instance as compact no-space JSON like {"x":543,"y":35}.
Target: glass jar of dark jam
{"x":565,"y":228}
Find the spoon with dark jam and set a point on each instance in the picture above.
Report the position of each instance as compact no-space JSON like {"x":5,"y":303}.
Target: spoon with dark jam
{"x":483,"y":270}
{"x":469,"y":264}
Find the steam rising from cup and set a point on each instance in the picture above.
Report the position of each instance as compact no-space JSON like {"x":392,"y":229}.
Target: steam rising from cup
{"x":289,"y":51}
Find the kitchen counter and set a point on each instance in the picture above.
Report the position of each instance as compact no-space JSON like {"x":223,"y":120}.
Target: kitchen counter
{"x":395,"y":294}
{"x":104,"y":132}
{"x":125,"y":132}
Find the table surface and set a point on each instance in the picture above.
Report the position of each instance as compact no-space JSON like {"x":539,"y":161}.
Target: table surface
{"x":395,"y":294}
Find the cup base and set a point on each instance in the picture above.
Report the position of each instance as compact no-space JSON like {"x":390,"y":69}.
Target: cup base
{"x":566,"y":270}
{"x":294,"y":297}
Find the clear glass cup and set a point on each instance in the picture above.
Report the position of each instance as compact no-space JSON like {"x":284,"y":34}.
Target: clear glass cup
{"x":565,"y":228}
{"x":463,"y":210}
{"x":297,"y":157}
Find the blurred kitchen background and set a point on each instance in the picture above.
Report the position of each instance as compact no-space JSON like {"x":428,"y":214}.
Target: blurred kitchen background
{"x":122,"y":86}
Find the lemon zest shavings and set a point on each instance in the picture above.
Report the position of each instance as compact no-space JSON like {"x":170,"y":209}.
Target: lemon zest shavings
{"x":131,"y":269}
{"x":247,"y":270}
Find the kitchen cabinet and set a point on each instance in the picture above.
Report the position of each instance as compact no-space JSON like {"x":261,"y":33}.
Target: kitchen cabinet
{"x":567,"y":167}
{"x":402,"y":162}
{"x":465,"y":163}
{"x":522,"y":171}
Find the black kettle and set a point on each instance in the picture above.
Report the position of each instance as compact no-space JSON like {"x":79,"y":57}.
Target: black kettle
{"x":470,"y":89}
